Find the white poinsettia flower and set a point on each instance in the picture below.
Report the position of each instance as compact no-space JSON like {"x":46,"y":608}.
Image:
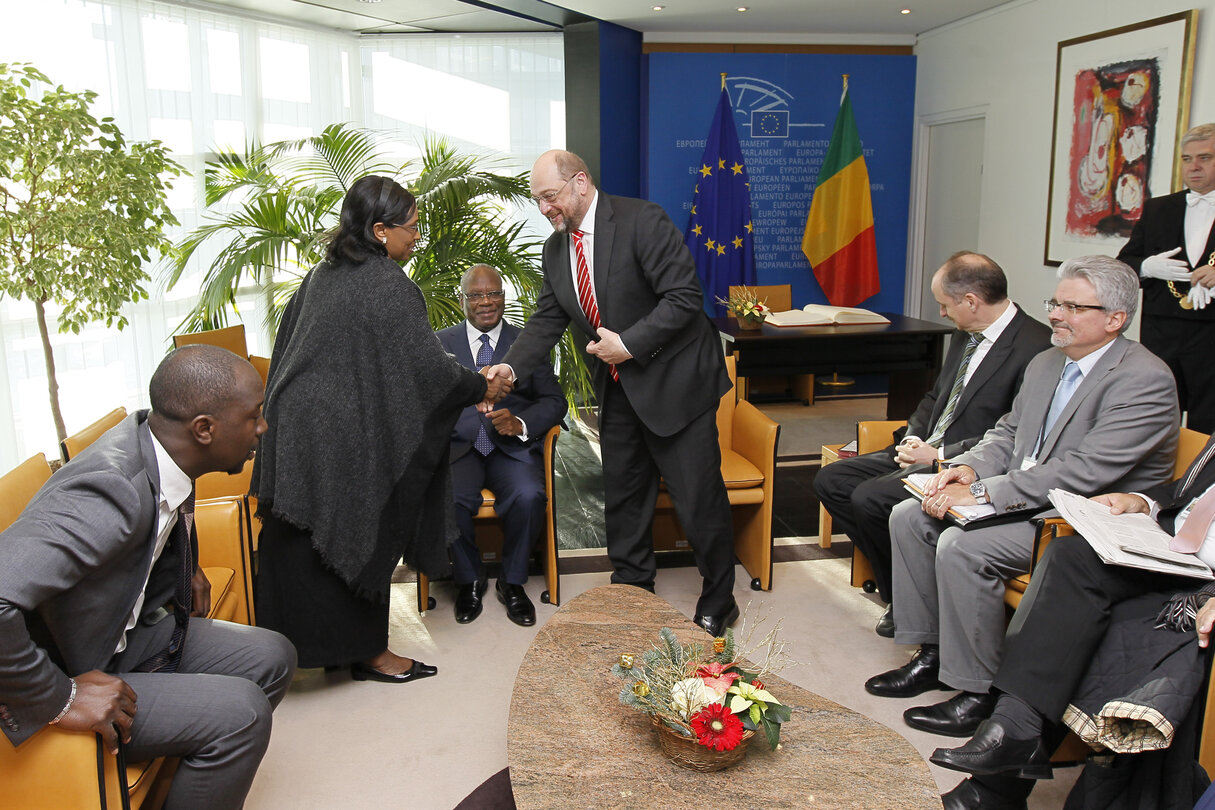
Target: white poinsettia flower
{"x":691,"y":695}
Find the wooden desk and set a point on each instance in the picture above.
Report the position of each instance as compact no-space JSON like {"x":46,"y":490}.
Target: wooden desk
{"x":909,"y":350}
{"x":572,"y":744}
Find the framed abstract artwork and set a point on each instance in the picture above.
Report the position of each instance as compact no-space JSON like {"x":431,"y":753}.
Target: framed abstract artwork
{"x":1122,"y":102}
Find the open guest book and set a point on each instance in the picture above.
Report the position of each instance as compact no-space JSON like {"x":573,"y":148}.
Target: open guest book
{"x":823,"y":315}
{"x":1134,"y":541}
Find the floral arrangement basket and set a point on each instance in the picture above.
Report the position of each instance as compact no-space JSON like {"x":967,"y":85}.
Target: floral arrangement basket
{"x":746,"y":307}
{"x":702,"y":699}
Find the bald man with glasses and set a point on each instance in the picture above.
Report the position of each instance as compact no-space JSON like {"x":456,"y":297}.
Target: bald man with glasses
{"x":617,"y":271}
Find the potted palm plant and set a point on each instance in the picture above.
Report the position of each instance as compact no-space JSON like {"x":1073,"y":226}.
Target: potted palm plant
{"x":272,"y":206}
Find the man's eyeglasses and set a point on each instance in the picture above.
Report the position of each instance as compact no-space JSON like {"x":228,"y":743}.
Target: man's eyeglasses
{"x":548,"y":196}
{"x":1051,"y":305}
{"x":492,"y":295}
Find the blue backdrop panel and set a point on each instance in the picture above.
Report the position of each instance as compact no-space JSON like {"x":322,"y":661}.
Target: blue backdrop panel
{"x":784,"y":108}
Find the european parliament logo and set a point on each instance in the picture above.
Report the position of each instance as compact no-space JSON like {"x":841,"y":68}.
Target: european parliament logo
{"x":769,"y":123}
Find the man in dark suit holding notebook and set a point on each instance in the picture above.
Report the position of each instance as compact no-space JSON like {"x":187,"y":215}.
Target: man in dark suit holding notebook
{"x":980,"y":378}
{"x":1064,"y":616}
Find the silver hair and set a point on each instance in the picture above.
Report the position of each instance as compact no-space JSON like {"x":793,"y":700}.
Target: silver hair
{"x":1116,"y":284}
{"x":1202,"y":132}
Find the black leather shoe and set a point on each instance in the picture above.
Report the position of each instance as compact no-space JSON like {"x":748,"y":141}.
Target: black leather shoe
{"x":361,"y":672}
{"x":885,"y":625}
{"x":970,"y":796}
{"x":519,"y":609}
{"x":917,"y":676}
{"x":469,"y":601}
{"x":957,"y":717}
{"x":992,"y":751}
{"x":716,"y":625}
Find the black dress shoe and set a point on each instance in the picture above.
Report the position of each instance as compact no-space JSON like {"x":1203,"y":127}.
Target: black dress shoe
{"x":971,"y":796}
{"x":469,"y":601}
{"x":519,"y":609}
{"x":957,"y":717}
{"x":716,"y":625}
{"x":916,"y":677}
{"x":361,"y":672}
{"x":992,"y":751}
{"x":885,"y":624}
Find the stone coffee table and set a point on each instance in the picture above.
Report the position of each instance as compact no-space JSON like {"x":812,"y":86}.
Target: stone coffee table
{"x":572,"y":744}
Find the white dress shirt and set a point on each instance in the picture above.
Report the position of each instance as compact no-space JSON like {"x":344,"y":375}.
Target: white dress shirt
{"x":175,"y":487}
{"x":1198,"y":220}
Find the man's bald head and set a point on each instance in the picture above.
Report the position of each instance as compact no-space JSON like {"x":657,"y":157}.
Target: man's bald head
{"x":194,"y":379}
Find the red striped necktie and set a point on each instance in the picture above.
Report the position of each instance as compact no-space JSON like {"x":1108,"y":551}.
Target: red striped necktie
{"x":586,"y":294}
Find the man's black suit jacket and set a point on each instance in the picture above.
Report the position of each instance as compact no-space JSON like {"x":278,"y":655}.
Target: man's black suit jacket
{"x":989,"y":393}
{"x":1161,"y":227}
{"x":648,"y":292}
{"x":1173,"y":496}
{"x":537,"y":398}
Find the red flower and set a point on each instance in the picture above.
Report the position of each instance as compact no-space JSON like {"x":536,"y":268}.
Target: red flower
{"x":758,"y":684}
{"x":717,"y":728}
{"x":714,"y":675}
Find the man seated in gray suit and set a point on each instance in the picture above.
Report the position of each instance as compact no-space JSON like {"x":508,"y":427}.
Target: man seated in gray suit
{"x":1098,"y":413}
{"x":88,"y":568}
{"x":982,"y":373}
{"x":499,"y":450}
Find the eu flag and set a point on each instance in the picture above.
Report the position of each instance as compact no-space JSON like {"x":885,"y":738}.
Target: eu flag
{"x":719,"y":229}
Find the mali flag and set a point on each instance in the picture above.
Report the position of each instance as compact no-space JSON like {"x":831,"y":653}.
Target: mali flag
{"x":839,"y":230}
{"x":719,"y":228}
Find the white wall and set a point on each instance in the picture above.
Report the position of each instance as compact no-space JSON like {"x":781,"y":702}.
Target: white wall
{"x":1005,"y":59}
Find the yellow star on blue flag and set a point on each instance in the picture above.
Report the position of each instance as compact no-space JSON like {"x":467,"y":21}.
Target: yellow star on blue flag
{"x":721,"y":211}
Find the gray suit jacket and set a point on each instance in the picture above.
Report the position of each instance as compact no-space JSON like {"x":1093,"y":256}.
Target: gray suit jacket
{"x":1118,"y":432}
{"x":74,"y":563}
{"x":645,"y":281}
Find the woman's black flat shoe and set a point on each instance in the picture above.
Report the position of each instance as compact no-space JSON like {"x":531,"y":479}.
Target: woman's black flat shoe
{"x":361,"y":672}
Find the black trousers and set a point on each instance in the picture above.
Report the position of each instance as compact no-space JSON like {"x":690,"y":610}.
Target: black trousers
{"x":690,"y":463}
{"x":859,"y":494}
{"x":1062,"y":619}
{"x":1185,"y":345}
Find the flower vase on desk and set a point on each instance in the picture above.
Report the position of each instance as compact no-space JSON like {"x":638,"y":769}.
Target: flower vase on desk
{"x":749,"y":323}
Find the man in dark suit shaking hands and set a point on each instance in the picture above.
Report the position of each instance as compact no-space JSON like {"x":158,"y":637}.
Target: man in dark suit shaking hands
{"x":499,"y":450}
{"x":1172,"y":247}
{"x":617,"y":270}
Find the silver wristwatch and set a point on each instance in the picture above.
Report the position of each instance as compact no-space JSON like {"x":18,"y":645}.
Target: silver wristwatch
{"x":978,"y":491}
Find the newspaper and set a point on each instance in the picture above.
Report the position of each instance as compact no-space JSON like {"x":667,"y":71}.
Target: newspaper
{"x":1131,"y":540}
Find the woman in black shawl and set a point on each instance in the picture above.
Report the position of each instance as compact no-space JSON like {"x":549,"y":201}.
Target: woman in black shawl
{"x":353,"y":473}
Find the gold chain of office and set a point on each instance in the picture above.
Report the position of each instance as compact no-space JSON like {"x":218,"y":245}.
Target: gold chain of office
{"x":1183,"y":300}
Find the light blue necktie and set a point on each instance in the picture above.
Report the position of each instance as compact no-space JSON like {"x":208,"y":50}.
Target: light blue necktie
{"x":484,"y":355}
{"x":1068,"y":382}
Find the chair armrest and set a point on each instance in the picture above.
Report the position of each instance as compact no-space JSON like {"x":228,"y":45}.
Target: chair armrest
{"x":1046,"y":530}
{"x":873,"y":435}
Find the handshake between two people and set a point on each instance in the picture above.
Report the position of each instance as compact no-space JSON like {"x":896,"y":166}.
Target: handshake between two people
{"x":501,"y":380}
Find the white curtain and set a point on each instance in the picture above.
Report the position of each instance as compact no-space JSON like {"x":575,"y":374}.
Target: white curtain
{"x":197,"y":79}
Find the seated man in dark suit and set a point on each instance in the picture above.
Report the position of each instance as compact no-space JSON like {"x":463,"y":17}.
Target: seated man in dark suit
{"x":499,"y":450}
{"x":981,"y":376}
{"x":1061,"y":622}
{"x":87,"y":570}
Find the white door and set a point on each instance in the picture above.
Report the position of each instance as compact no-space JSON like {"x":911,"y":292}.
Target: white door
{"x":951,"y":199}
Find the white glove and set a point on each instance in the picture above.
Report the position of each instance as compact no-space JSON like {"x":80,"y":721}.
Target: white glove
{"x":1200,"y":296}
{"x":1164,"y":267}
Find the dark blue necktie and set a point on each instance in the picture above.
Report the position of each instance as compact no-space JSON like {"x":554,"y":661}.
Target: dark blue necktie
{"x":484,"y":355}
{"x":182,"y":539}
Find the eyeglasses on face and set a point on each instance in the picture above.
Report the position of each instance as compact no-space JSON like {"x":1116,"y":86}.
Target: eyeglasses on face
{"x":548,"y":196}
{"x":415,"y":229}
{"x":1050,"y":305}
{"x":492,"y":295}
